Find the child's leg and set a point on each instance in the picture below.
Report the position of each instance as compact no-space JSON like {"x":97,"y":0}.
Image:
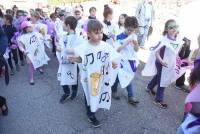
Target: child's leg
{"x":91,"y":116}
{"x":15,"y":56}
{"x":74,"y":91}
{"x":30,"y":72}
{"x":114,"y":89}
{"x":66,"y":89}
{"x":152,"y":83}
{"x":131,"y":100}
{"x":89,"y":113}
{"x":66,"y":94}
{"x":21,"y":57}
{"x":10,"y":61}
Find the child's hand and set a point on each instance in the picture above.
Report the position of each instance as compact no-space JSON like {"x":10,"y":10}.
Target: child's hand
{"x":71,"y":58}
{"x":163,"y":63}
{"x":114,"y":65}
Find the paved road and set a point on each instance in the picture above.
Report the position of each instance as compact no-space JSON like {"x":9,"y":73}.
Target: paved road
{"x":36,"y":109}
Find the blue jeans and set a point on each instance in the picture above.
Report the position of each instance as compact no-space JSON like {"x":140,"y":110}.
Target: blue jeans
{"x":129,"y":88}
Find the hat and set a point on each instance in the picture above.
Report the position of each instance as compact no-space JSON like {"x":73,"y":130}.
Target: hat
{"x":25,"y":24}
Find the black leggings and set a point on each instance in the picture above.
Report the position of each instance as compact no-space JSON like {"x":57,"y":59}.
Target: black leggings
{"x":66,"y":89}
{"x":21,"y":55}
{"x":15,"y":57}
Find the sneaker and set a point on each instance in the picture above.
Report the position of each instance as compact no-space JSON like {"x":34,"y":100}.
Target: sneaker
{"x":94,"y":122}
{"x":12,"y":72}
{"x":161,"y":104}
{"x":64,"y":97}
{"x":17,"y":68}
{"x":115,"y":96}
{"x":132,"y":101}
{"x":5,"y":110}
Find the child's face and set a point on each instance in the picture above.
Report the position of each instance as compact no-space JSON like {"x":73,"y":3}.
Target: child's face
{"x":121,"y":19}
{"x":77,"y":14}
{"x":33,"y":19}
{"x":129,"y":30}
{"x":66,"y":28}
{"x":110,"y":16}
{"x":93,"y":13}
{"x":96,"y":36}
{"x":172,"y":29}
{"x":29,"y":29}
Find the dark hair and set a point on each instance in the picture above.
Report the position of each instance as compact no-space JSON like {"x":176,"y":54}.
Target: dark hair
{"x":195,"y":75}
{"x":71,"y":21}
{"x":107,"y":11}
{"x":166,"y":26}
{"x":94,"y":26}
{"x":9,"y":11}
{"x":1,"y":14}
{"x":53,"y":15}
{"x":39,"y":10}
{"x":124,"y":15}
{"x":35,"y":14}
{"x":131,"y":22}
{"x":92,"y":8}
{"x":14,"y":7}
{"x":9,"y":18}
{"x":20,"y":11}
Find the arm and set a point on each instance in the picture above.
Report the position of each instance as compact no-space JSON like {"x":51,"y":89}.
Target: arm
{"x":135,"y":45}
{"x":160,"y":59}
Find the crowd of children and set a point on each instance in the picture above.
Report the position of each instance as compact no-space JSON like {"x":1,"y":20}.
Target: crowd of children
{"x":103,"y":54}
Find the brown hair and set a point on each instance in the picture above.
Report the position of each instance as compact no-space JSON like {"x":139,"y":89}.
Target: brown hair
{"x":94,"y":26}
{"x":35,"y":14}
{"x":167,"y":25}
{"x":107,"y":11}
{"x":131,"y":22}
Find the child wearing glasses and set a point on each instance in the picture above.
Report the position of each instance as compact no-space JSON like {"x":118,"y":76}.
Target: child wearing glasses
{"x":162,"y":61}
{"x":127,"y":46}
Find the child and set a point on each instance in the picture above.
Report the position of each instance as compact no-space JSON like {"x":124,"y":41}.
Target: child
{"x":96,"y":58}
{"x":10,"y":31}
{"x":196,"y":54}
{"x":121,"y":21}
{"x":128,"y":49}
{"x":191,"y":123}
{"x":162,"y":62}
{"x":109,"y":28}
{"x":3,"y":65}
{"x":92,"y":12}
{"x":31,"y":45}
{"x":67,"y":72}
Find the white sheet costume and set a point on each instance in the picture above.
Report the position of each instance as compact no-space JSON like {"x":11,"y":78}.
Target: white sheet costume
{"x":170,"y":73}
{"x":96,"y":73}
{"x":128,"y":63}
{"x":67,"y":72}
{"x":34,"y":47}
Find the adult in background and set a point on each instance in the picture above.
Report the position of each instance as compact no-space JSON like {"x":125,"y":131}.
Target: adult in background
{"x":145,"y":16}
{"x":3,"y":66}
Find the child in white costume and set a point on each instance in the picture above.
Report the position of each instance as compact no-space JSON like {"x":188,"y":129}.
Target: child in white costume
{"x":31,"y":45}
{"x":109,"y":28}
{"x":162,"y":62}
{"x":67,"y":72}
{"x":96,"y":57}
{"x":127,"y":46}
